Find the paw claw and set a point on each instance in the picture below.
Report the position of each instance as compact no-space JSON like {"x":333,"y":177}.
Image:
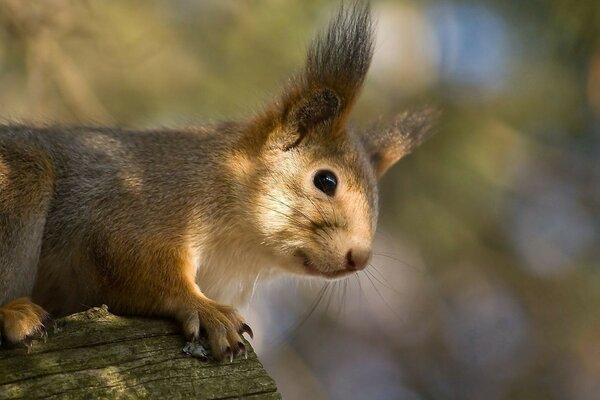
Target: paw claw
{"x":43,"y":333}
{"x":242,"y":348}
{"x":28,"y":342}
{"x":222,"y":324}
{"x":246,"y":329}
{"x":229,"y":353}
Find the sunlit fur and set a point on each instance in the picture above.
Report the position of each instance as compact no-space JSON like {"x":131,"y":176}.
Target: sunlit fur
{"x":178,"y":222}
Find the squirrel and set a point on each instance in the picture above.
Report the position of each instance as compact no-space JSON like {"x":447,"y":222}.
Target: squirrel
{"x":181,"y":223}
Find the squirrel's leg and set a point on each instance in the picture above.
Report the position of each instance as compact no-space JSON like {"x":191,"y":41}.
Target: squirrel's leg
{"x":161,"y":282}
{"x":26,"y":182}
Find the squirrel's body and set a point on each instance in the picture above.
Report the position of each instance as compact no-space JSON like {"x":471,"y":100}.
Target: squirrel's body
{"x":177,"y":222}
{"x":148,"y":189}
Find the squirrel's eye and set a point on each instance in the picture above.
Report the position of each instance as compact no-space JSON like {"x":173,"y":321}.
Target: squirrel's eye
{"x":326,"y":182}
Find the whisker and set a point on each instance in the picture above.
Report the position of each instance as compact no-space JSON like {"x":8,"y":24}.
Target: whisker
{"x":344,"y":297}
{"x":382,"y":298}
{"x":296,"y":210}
{"x":282,"y":203}
{"x":382,"y":281}
{"x":293,"y":331}
{"x":325,"y":221}
{"x":361,"y":292}
{"x":329,"y":297}
{"x":340,"y":297}
{"x":398,"y":260}
{"x":363,"y":296}
{"x":335,"y":219}
{"x":290,"y":218}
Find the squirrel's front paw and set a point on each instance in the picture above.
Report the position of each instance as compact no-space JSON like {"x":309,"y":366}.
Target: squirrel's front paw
{"x":222,"y":325}
{"x":21,"y":320}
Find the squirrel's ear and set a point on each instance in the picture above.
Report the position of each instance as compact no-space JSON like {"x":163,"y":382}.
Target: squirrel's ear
{"x":308,"y":111}
{"x":385,"y":146}
{"x":336,"y":66}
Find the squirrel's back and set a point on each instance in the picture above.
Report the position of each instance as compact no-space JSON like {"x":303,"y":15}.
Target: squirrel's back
{"x":112,"y":187}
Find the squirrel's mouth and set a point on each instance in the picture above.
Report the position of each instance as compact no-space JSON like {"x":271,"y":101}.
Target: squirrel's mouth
{"x":313,"y":270}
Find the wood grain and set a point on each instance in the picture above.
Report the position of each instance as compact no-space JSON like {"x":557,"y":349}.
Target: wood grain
{"x":95,"y":354}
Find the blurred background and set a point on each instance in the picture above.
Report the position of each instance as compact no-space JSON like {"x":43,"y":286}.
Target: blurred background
{"x":485,"y":282}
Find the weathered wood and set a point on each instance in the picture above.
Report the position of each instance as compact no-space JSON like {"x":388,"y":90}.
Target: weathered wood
{"x":95,"y":354}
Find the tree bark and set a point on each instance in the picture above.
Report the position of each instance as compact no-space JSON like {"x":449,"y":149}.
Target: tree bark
{"x":95,"y":354}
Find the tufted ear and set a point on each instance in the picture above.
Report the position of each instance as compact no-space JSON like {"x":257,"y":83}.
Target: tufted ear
{"x":385,"y":146}
{"x":337,"y":62}
{"x":310,"y":110}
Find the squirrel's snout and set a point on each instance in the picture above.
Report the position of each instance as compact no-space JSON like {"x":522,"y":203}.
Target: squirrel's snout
{"x":357,"y":258}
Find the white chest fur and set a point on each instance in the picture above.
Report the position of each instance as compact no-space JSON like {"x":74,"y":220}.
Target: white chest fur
{"x":230,"y":270}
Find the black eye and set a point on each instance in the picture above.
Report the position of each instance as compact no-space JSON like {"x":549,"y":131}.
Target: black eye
{"x":326,"y":182}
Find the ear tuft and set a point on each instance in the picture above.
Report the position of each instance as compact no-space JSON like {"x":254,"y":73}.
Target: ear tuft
{"x":340,"y":56}
{"x":337,"y":62}
{"x":410,"y":129}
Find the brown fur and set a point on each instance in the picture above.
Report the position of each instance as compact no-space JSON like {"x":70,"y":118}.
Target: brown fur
{"x":20,"y":320}
{"x":178,"y":223}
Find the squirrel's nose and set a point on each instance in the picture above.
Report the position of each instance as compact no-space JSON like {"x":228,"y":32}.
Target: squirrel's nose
{"x":357,"y":258}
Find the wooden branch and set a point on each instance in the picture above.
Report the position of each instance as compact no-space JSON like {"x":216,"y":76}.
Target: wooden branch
{"x":97,"y":354}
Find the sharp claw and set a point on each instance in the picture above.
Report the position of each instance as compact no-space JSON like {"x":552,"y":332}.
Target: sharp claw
{"x":242,"y":347}
{"x":246,"y":329}
{"x":228,"y":351}
{"x":56,"y":327}
{"x":28,"y":343}
{"x":43,"y":333}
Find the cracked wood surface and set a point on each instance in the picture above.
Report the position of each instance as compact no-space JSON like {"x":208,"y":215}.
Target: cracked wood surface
{"x":95,"y":354}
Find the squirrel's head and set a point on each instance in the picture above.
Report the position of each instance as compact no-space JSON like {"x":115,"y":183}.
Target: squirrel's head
{"x":313,"y":184}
